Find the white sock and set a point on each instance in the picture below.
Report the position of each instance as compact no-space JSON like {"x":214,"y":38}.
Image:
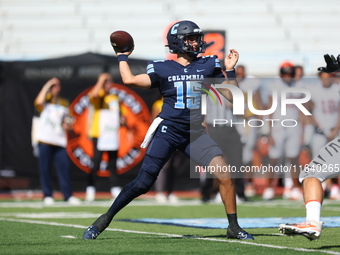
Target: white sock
{"x":115,"y":191}
{"x":313,"y":209}
{"x":90,"y":189}
{"x":288,"y":182}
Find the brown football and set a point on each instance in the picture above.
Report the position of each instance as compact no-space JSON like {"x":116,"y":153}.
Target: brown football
{"x":121,"y":41}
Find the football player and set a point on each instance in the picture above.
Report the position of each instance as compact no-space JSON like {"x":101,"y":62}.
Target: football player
{"x":179,"y":124}
{"x":325,"y":108}
{"x":323,"y":167}
{"x":249,"y":136}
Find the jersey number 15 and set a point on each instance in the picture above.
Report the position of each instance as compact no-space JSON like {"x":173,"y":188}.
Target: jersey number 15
{"x":188,"y":94}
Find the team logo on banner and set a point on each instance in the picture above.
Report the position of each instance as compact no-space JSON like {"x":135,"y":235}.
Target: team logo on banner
{"x":131,"y":135}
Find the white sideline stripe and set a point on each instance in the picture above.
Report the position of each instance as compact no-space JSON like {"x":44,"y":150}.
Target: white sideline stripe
{"x":72,"y":237}
{"x":171,"y":235}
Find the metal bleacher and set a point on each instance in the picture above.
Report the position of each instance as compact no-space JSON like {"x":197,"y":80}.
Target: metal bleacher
{"x":264,"y":32}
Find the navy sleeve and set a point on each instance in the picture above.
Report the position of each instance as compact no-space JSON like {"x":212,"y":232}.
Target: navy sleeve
{"x":155,"y":79}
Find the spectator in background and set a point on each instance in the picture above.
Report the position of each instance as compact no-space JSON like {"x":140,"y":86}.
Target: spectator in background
{"x":299,"y":78}
{"x":299,"y":73}
{"x":52,"y":141}
{"x":104,"y":132}
{"x":285,"y":143}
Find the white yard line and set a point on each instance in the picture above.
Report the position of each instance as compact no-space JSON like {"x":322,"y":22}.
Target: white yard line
{"x":171,"y":235}
{"x":72,"y":237}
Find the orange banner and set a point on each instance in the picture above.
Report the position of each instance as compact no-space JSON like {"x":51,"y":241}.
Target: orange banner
{"x":131,"y":135}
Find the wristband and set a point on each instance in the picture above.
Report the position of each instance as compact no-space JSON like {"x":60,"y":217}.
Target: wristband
{"x":231,"y":74}
{"x":122,"y":57}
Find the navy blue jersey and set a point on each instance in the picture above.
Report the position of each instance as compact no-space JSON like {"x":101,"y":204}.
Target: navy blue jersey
{"x":181,"y":86}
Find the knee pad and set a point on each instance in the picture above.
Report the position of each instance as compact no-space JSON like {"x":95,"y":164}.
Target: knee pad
{"x":143,"y":182}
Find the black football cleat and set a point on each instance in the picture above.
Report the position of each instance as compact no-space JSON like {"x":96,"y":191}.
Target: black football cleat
{"x":97,"y":227}
{"x":239,"y":234}
{"x":91,"y":233}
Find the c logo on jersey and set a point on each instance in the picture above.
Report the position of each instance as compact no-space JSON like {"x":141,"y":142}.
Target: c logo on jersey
{"x":131,"y":135}
{"x":164,"y":128}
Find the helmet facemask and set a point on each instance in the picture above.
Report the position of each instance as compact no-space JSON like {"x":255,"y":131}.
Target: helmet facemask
{"x":189,"y":42}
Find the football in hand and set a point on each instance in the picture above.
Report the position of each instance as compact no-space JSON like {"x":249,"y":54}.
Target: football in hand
{"x":121,"y":41}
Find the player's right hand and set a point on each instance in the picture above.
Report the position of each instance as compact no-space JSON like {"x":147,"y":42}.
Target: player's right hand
{"x":333,"y":65}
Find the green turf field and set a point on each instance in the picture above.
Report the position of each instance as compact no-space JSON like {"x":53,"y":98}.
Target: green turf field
{"x":30,"y":228}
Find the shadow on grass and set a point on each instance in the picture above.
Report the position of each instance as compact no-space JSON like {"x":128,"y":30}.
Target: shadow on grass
{"x":327,"y":247}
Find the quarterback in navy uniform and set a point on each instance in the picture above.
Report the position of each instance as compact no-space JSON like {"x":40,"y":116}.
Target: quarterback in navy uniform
{"x":179,"y":125}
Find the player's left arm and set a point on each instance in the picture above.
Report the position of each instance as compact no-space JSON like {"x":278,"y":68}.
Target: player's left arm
{"x":230,"y":62}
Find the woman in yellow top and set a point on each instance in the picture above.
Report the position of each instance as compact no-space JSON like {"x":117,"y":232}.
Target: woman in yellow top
{"x":104,"y":132}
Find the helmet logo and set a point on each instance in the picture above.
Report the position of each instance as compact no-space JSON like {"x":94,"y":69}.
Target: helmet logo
{"x":174,"y":29}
